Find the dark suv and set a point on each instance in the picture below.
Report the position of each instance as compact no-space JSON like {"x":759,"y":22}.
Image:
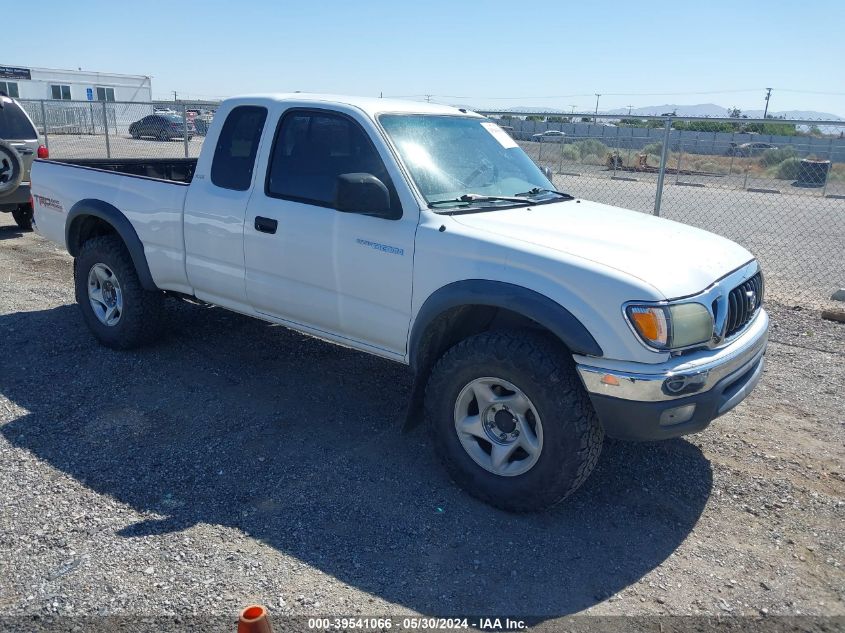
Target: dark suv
{"x":18,"y":147}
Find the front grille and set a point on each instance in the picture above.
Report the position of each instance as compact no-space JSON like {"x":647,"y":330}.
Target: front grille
{"x":743,"y":303}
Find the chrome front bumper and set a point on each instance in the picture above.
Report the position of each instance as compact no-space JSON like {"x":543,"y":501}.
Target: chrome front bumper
{"x":680,"y":396}
{"x":698,"y":372}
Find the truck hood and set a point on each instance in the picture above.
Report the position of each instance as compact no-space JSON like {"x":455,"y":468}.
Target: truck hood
{"x":676,"y":259}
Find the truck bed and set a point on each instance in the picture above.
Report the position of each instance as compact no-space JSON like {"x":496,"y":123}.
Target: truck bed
{"x":150,"y":193}
{"x":172,"y":169}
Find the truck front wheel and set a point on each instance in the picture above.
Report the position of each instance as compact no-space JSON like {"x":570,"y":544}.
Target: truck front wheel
{"x":511,"y":421}
{"x":116,"y":308}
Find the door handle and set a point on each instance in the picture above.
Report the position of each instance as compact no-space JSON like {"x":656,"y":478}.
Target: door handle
{"x":265,"y":225}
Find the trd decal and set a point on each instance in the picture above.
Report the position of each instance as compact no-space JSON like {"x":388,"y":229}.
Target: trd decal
{"x":49,"y":203}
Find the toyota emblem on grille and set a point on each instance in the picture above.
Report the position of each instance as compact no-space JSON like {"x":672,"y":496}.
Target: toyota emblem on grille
{"x":751,"y":298}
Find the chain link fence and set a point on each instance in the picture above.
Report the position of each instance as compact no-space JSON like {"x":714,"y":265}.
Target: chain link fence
{"x":781,"y":195}
{"x":113,"y":129}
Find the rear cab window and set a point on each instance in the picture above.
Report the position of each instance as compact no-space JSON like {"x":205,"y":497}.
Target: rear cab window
{"x":14,"y":124}
{"x":234,"y":157}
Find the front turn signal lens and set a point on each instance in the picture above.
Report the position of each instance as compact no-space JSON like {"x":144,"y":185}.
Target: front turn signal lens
{"x":651,"y":323}
{"x":673,"y":326}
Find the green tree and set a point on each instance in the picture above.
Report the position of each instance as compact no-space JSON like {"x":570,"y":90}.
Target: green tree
{"x":704,"y":126}
{"x":779,"y":129}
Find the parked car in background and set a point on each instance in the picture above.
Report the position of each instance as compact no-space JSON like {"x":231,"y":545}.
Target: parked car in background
{"x":749,"y":149}
{"x":549,"y":136}
{"x":163,"y":127}
{"x":202,"y":122}
{"x":18,"y":147}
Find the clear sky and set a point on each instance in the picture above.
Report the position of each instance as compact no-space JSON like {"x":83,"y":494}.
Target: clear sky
{"x":485,"y":54}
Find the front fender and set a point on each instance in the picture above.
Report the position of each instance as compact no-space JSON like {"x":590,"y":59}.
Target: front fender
{"x":528,"y":303}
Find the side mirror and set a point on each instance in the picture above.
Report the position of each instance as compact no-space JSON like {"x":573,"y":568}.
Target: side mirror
{"x":362,"y":193}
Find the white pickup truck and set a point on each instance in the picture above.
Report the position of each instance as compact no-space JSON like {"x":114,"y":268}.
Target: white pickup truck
{"x":534,"y":323}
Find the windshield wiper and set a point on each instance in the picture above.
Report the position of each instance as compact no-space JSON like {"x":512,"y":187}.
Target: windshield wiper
{"x":536,"y":191}
{"x":471,"y":198}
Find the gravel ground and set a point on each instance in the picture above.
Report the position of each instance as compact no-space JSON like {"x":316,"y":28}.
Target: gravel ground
{"x":236,"y":461}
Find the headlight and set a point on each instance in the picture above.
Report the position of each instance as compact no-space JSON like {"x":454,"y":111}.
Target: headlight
{"x":671,"y":326}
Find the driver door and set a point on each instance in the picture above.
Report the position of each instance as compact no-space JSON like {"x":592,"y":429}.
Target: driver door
{"x":346,"y":275}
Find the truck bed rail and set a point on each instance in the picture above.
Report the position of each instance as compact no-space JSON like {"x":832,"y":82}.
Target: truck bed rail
{"x":171,"y":169}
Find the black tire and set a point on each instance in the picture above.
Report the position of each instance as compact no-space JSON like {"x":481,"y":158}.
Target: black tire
{"x":23,"y":217}
{"x":141,"y":319}
{"x":572,"y":433}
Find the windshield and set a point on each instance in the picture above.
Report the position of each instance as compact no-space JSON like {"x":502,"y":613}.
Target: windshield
{"x":452,"y":156}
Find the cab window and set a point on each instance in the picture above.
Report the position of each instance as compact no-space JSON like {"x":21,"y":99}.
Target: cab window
{"x":237,"y":146}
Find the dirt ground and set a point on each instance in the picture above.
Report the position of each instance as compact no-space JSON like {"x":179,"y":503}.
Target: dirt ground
{"x":236,"y":461}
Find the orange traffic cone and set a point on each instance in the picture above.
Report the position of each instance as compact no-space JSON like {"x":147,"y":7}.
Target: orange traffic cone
{"x":254,"y":620}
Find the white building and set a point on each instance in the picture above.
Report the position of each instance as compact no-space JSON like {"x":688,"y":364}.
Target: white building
{"x":76,"y":85}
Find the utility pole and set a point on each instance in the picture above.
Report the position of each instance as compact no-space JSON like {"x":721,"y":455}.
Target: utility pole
{"x":768,"y":94}
{"x":630,"y":107}
{"x":595,"y":118}
{"x":573,"y":108}
{"x":428,"y":98}
{"x":174,"y":96}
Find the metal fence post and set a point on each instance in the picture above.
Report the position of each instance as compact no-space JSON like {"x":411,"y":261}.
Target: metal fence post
{"x":732,"y":145}
{"x":106,"y":128}
{"x":560,"y":162}
{"x":680,"y":156}
{"x":185,"y":128}
{"x":658,"y":198}
{"x":44,"y":124}
{"x":829,"y":167}
{"x":615,"y":153}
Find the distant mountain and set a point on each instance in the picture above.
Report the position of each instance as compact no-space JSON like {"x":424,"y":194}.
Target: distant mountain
{"x":701,"y":109}
{"x":697,"y":110}
{"x":809,"y":115}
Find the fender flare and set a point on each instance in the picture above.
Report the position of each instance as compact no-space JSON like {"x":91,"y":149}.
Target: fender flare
{"x":122,"y":226}
{"x":529,"y":303}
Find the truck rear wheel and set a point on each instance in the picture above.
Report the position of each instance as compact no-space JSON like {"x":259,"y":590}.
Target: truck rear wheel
{"x":511,"y":421}
{"x":117,"y":309}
